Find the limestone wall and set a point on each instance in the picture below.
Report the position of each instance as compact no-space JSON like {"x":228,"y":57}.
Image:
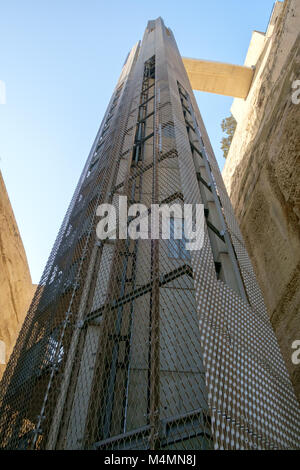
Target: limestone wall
{"x":262,"y":174}
{"x":16,"y":289}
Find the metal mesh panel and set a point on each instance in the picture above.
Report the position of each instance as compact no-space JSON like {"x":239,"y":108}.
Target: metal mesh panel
{"x":138,"y":343}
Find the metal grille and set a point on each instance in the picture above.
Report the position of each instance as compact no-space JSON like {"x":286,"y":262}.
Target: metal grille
{"x":140,"y":344}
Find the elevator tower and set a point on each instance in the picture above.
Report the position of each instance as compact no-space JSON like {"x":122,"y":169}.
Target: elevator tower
{"x":142,"y":344}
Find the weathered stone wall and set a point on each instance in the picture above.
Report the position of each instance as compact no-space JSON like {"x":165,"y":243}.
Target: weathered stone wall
{"x":262,"y":175}
{"x":16,"y":289}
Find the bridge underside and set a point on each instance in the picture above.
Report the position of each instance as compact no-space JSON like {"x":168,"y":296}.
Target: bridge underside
{"x":219,"y":77}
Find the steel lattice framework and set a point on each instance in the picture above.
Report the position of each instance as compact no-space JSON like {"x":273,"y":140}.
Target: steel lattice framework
{"x":140,"y":344}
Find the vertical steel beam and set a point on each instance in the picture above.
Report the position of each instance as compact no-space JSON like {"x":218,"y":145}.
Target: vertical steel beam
{"x":154,"y":302}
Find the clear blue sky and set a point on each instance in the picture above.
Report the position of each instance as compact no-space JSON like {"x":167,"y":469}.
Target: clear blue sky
{"x":60,"y":60}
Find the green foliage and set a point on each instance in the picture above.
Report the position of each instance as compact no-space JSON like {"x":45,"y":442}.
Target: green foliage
{"x":228,"y":126}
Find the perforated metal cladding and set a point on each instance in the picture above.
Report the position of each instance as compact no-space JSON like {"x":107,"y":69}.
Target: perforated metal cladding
{"x":250,"y":394}
{"x":140,"y":344}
